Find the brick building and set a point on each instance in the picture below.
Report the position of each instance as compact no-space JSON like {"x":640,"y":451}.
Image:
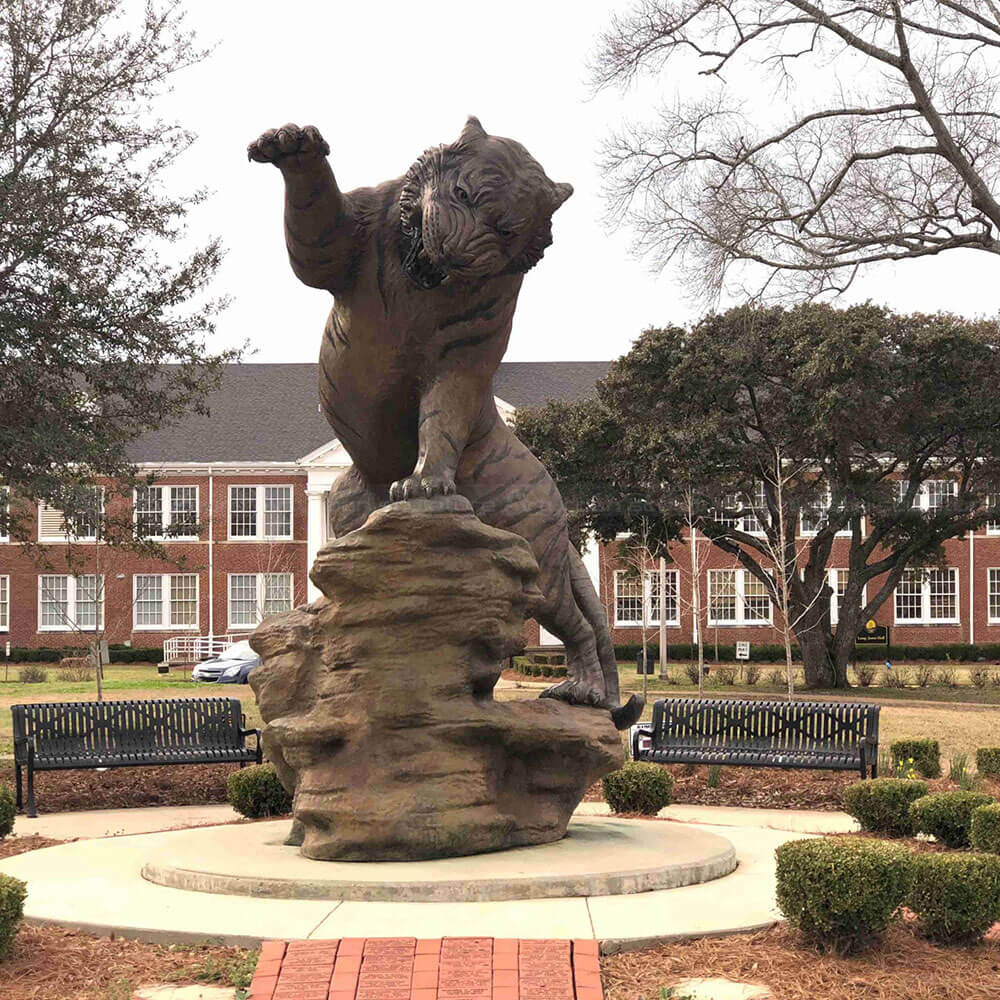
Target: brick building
{"x":252,"y":480}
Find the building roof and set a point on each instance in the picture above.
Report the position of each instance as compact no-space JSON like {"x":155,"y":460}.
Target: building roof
{"x":269,"y":412}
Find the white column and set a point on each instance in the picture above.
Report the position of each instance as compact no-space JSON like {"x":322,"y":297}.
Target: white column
{"x":315,"y":532}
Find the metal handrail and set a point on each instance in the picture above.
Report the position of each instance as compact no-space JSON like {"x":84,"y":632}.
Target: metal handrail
{"x":195,"y":648}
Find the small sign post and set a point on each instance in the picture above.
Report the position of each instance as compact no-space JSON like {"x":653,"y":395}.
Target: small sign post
{"x":743,"y":651}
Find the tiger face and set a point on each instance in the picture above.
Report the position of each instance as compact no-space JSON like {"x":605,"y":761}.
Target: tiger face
{"x":477,"y":208}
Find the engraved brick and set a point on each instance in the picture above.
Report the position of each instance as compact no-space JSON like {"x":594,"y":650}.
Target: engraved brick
{"x":586,"y":946}
{"x":301,"y":991}
{"x":305,"y":974}
{"x":423,"y":994}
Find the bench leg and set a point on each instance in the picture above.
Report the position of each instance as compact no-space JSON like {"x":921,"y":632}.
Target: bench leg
{"x":32,"y":811}
{"x":18,"y":781}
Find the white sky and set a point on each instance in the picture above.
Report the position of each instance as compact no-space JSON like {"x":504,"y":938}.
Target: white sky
{"x":385,"y":79}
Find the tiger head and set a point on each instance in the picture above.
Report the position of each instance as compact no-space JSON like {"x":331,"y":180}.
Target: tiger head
{"x":477,"y":208}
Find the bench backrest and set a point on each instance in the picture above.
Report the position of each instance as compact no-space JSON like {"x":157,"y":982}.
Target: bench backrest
{"x":109,"y":727}
{"x":763,"y":725}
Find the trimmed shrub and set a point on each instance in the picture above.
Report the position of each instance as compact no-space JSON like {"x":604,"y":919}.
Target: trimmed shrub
{"x":947,"y":816}
{"x":883,"y":805}
{"x":638,"y":788}
{"x":691,"y":672}
{"x":956,"y":897}
{"x":7,"y":811}
{"x":988,"y":760}
{"x":926,"y":756}
{"x":979,"y":676}
{"x":751,"y":674}
{"x":947,"y":677}
{"x":841,"y":894}
{"x":255,"y":791}
{"x":984,"y":830}
{"x":865,"y":674}
{"x":725,"y":676}
{"x":12,"y":895}
{"x":76,"y":668}
{"x":32,"y":674}
{"x":776,"y":678}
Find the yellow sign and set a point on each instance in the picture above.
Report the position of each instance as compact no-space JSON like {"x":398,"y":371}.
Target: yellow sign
{"x":871,"y":624}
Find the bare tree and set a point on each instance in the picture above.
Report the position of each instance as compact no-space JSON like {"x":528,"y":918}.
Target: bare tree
{"x":879,"y":142}
{"x":639,"y":554}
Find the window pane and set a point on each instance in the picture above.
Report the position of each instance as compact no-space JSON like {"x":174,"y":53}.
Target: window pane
{"x":55,"y":609}
{"x":149,"y":511}
{"x":725,"y":515}
{"x":722,"y":595}
{"x":87,"y":610}
{"x":278,"y":511}
{"x":149,"y":600}
{"x":756,"y":602}
{"x":4,"y":602}
{"x":939,"y":492}
{"x":628,"y":598}
{"x":183,"y":510}
{"x":943,"y":584}
{"x":993,"y":502}
{"x":277,"y":593}
{"x":909,"y":596}
{"x":243,"y":512}
{"x":90,"y":516}
{"x":243,"y":599}
{"x":756,"y":506}
{"x":184,"y":599}
{"x":994,"y":594}
{"x":814,"y":516}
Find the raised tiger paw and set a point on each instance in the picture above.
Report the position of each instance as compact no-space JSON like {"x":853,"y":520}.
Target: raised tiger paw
{"x":288,"y":145}
{"x":421,"y":487}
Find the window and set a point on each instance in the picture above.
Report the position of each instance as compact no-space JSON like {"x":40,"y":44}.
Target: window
{"x":933,"y":495}
{"x":66,"y":603}
{"x":994,"y":596}
{"x":737,"y":597}
{"x":993,"y":502}
{"x":255,"y":596}
{"x":165,"y":601}
{"x":166,"y":512}
{"x":838,"y":584}
{"x":4,"y":603}
{"x":52,"y":526}
{"x":814,"y":516}
{"x":752,"y":524}
{"x":741,"y":513}
{"x":629,"y":597}
{"x":248,"y":503}
{"x":927,"y":597}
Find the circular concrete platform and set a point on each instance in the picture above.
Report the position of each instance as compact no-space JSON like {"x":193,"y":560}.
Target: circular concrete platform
{"x":598,"y":857}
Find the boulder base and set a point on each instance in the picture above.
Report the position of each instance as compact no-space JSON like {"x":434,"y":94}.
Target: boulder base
{"x":378,"y":697}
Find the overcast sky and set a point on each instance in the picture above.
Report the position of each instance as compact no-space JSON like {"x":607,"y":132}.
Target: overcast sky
{"x":383,"y":80}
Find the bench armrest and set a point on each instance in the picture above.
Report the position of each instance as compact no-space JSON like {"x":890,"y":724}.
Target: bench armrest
{"x":251,"y":732}
{"x":22,"y":748}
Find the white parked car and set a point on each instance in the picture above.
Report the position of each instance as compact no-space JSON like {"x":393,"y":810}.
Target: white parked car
{"x":231,"y":666}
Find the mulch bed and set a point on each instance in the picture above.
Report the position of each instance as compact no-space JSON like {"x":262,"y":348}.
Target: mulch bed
{"x":52,"y":963}
{"x":127,"y":787}
{"x":10,"y":846}
{"x":903,"y":967}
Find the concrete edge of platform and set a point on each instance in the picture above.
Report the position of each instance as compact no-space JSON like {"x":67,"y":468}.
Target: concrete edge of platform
{"x":615,"y":946}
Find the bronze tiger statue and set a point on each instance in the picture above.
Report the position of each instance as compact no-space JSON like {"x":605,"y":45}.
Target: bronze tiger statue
{"x":425,"y":272}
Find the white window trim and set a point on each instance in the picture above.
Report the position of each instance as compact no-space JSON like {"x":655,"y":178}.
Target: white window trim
{"x":925,"y":603}
{"x":647,"y":595}
{"x":260,"y":536}
{"x":740,"y":621}
{"x":259,"y":597}
{"x":842,"y":533}
{"x":831,"y":578}
{"x":64,"y":537}
{"x":71,"y":604}
{"x":165,"y":585}
{"x":990,"y":620}
{"x":5,"y":625}
{"x":921,"y":501}
{"x":165,"y":509}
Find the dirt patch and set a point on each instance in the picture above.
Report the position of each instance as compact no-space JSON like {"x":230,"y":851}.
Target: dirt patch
{"x":127,"y":787}
{"x":903,"y":967}
{"x":51,"y":963}
{"x":10,"y":846}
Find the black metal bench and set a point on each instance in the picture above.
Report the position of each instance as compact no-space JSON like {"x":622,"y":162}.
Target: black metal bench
{"x":821,"y":735}
{"x":72,"y":735}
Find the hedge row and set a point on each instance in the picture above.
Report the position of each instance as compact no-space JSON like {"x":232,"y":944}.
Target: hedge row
{"x":775,"y":653}
{"x":119,"y":654}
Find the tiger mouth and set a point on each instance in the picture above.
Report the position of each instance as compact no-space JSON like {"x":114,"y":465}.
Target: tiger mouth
{"x":417,"y":266}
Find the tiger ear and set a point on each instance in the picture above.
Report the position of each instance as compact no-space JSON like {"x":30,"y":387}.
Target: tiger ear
{"x":473,"y":130}
{"x":562,"y":192}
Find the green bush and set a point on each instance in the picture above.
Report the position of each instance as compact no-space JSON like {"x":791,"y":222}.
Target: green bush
{"x":984,"y":830}
{"x":883,"y":805}
{"x":7,"y":811}
{"x":638,"y":788}
{"x":840,"y":893}
{"x":32,"y":674}
{"x":988,"y":760}
{"x":956,"y":897}
{"x":256,"y":791}
{"x":926,"y":755}
{"x":12,"y":895}
{"x":947,"y":815}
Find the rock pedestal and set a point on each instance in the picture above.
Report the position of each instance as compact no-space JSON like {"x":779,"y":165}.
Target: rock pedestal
{"x":378,"y":698}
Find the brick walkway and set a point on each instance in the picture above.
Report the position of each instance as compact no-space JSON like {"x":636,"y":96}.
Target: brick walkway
{"x":438,"y":969}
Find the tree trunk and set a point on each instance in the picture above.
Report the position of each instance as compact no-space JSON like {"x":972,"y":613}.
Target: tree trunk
{"x":663,"y":618}
{"x":819,"y":661}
